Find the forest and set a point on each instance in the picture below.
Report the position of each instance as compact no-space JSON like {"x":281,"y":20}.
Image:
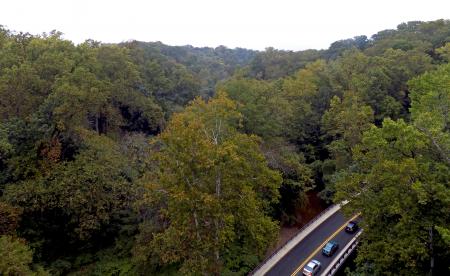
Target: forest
{"x":140,"y":158}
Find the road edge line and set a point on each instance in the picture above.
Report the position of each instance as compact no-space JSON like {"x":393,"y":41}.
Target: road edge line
{"x":298,"y":238}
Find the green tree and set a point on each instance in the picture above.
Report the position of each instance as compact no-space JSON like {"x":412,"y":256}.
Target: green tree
{"x":308,"y":94}
{"x":444,"y":52}
{"x":297,"y":178}
{"x":9,"y":218}
{"x":281,"y":113}
{"x":214,"y":191}
{"x":79,"y":199}
{"x":344,"y":122}
{"x":430,"y":94}
{"x":17,"y":258}
{"x":400,"y":183}
{"x":402,"y":192}
{"x":262,"y":105}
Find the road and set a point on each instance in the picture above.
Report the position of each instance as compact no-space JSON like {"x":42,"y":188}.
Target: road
{"x":310,"y":247}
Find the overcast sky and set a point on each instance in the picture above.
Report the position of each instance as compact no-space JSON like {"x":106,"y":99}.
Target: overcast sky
{"x":283,"y":24}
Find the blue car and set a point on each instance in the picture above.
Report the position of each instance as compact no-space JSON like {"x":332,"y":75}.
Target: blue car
{"x":330,"y":248}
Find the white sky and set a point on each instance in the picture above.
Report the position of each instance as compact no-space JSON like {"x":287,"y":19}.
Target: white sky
{"x":283,"y":24}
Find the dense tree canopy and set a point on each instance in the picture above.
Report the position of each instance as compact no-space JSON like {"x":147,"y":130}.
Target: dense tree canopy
{"x":400,"y":183}
{"x":142,"y":158}
{"x":212,"y":191}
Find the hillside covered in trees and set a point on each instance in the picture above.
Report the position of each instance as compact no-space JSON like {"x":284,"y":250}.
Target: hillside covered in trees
{"x":141,"y":158}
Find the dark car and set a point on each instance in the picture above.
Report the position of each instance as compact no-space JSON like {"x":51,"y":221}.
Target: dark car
{"x":330,"y":248}
{"x":311,"y":268}
{"x":351,"y":227}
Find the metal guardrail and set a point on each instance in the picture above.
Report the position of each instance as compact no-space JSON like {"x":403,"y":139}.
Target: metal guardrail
{"x":293,"y":237}
{"x":342,"y":257}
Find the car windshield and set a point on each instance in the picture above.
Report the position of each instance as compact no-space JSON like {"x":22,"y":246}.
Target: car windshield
{"x":308,"y":268}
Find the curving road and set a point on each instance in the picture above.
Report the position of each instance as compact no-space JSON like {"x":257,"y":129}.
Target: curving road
{"x":311,"y":246}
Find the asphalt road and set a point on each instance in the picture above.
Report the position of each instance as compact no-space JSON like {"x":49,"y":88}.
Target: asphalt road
{"x":298,"y":255}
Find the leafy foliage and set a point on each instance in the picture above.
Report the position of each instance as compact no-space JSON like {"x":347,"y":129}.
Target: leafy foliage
{"x":400,"y":184}
{"x":212,"y":191}
{"x":17,"y":258}
{"x":104,"y":171}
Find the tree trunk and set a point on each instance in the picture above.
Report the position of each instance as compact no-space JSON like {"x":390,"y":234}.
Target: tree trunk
{"x":196,"y":226}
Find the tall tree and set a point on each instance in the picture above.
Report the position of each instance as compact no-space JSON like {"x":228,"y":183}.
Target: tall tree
{"x":430,"y":109}
{"x":400,"y":183}
{"x":17,"y":258}
{"x":345,"y":121}
{"x":402,"y":192}
{"x":78,"y":198}
{"x":265,"y":111}
{"x":214,"y":191}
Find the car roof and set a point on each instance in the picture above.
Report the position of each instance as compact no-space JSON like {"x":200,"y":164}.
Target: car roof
{"x":312,"y":264}
{"x":331,"y":243}
{"x":351,"y":223}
